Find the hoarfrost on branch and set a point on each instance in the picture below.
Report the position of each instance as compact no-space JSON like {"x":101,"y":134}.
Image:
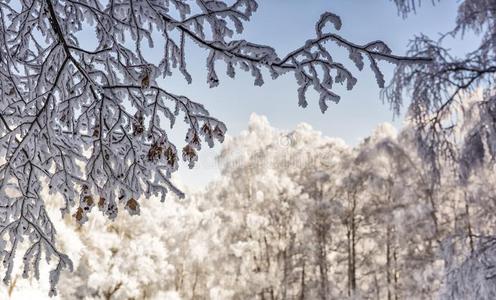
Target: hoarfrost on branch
{"x":90,"y":123}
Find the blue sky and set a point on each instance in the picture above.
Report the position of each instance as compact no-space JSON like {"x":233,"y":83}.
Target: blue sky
{"x":286,"y":25}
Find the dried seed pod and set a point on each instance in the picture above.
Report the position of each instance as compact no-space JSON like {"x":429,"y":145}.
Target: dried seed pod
{"x":206,"y":129}
{"x":88,"y":200}
{"x":101,"y":203}
{"x":96,"y":132}
{"x":138,"y":123}
{"x":145,"y":79}
{"x":189,"y":155}
{"x":171,"y":157}
{"x":155,"y":152}
{"x":132,"y":206}
{"x":79,"y":214}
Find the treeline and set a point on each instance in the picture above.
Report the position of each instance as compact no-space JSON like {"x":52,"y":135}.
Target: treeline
{"x":296,"y":215}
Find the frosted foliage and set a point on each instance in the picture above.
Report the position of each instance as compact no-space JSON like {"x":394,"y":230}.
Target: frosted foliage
{"x":294,"y":215}
{"x":92,"y":121}
{"x":474,"y":277}
{"x":440,"y":91}
{"x":127,"y":258}
{"x":406,"y":7}
{"x":312,"y":218}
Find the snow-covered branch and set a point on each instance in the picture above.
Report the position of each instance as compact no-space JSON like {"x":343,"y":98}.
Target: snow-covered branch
{"x":92,"y":124}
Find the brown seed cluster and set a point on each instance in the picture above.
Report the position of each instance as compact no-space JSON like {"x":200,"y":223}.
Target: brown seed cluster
{"x":88,"y":200}
{"x":132,"y":204}
{"x":85,"y":205}
{"x":158,"y":149}
{"x":206,"y":129}
{"x":138,"y":123}
{"x":79,"y":214}
{"x":171,"y":157}
{"x":189,"y":152}
{"x":96,"y":132}
{"x":101,"y":203}
{"x":195,"y":140}
{"x":218,"y":133}
{"x":155,"y":152}
{"x":145,"y":80}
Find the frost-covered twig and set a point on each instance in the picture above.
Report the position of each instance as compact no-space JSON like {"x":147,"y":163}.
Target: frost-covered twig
{"x":91,"y":123}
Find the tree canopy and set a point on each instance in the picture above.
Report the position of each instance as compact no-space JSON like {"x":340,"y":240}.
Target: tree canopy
{"x":92,"y":123}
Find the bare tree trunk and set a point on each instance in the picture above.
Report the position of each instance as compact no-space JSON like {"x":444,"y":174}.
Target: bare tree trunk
{"x":395,"y":258}
{"x":322,"y":258}
{"x":391,"y":266}
{"x":285,"y":275}
{"x":469,"y":225}
{"x":302,"y":286}
{"x":108,"y":294}
{"x":179,"y":278}
{"x":195,"y":281}
{"x":388,"y":262}
{"x":377,"y":287}
{"x":351,"y":239}
{"x":348,"y":239}
{"x":433,"y":212}
{"x":267,"y":254}
{"x":353,"y":246}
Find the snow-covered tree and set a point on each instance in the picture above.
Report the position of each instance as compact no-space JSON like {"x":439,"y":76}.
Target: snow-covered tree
{"x":452,"y":103}
{"x":294,"y":215}
{"x":130,"y":258}
{"x":90,"y":119}
{"x":276,"y":212}
{"x":437,"y":93}
{"x":474,"y":277}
